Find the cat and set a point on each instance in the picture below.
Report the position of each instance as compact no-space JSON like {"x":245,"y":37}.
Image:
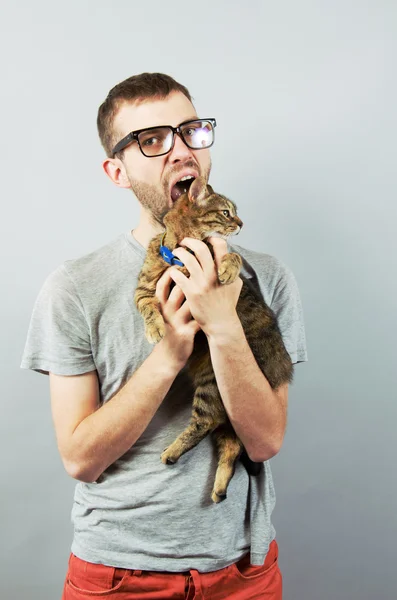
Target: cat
{"x":200,"y":213}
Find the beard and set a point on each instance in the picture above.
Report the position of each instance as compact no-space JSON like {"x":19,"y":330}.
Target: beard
{"x":156,"y":201}
{"x":152,"y":199}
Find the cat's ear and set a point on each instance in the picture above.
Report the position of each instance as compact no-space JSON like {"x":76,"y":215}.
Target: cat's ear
{"x":198,"y":192}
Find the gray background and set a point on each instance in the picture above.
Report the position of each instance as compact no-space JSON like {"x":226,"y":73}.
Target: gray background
{"x":305,"y":98}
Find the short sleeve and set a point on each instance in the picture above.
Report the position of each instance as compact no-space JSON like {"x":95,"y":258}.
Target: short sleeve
{"x":287,"y":306}
{"x":58,"y":338}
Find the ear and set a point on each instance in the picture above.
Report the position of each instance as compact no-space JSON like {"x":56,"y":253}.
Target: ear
{"x":115,"y":170}
{"x":198,"y":191}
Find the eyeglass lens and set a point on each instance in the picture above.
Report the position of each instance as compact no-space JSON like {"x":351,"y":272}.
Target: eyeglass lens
{"x":198,"y":134}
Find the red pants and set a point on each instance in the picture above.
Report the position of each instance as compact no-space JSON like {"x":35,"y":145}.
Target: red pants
{"x":240,"y":581}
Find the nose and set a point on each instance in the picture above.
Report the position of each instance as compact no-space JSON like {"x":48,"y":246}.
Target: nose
{"x":180,"y":151}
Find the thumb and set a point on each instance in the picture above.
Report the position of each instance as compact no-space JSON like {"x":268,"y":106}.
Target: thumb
{"x":219,"y":246}
{"x":194,"y":326}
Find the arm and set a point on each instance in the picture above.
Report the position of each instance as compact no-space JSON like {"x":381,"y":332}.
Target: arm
{"x":260,"y":420}
{"x":91,"y":437}
{"x":257,"y":412}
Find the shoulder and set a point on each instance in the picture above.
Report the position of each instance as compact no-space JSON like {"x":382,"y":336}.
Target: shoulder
{"x":272,"y":273}
{"x":97,"y":261}
{"x":88,"y":271}
{"x":280,"y":291}
{"x":265,"y":263}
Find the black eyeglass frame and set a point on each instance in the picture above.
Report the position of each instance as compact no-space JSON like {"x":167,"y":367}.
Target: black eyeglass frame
{"x":133,"y":135}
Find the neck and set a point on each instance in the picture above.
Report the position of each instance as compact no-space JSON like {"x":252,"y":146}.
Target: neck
{"x":146,"y":230}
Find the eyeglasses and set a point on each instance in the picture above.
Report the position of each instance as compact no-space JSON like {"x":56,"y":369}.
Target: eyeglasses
{"x":156,"y":141}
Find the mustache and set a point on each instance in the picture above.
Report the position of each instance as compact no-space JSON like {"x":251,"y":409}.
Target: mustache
{"x":189,"y":164}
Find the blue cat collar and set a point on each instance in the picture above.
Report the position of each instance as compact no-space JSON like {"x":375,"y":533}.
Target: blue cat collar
{"x":167,"y":255}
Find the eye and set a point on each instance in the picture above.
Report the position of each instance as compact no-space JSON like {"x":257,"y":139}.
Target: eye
{"x":191,"y":129}
{"x":226,"y":213}
{"x":151,"y":141}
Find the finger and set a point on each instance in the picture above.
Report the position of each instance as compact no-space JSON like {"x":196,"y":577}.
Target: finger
{"x":179,"y":279}
{"x":194,"y":326}
{"x":219,"y":246}
{"x":239,"y":284}
{"x":202,"y":253}
{"x":184,"y":313}
{"x":176,"y":298}
{"x":163,"y":287}
{"x":190,"y":262}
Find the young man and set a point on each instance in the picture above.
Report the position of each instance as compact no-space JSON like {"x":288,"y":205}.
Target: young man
{"x":144,"y":529}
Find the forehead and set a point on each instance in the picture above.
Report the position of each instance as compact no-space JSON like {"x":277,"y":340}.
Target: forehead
{"x":172,"y":110}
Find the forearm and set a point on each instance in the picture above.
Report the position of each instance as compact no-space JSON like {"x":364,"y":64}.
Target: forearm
{"x":256,"y":413}
{"x":105,"y":435}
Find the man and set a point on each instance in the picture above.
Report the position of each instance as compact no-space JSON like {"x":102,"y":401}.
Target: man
{"x":144,"y":529}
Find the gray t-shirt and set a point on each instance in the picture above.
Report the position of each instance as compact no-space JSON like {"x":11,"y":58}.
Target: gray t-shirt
{"x":140,"y":513}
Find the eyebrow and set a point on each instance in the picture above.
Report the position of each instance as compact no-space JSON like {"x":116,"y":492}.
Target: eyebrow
{"x":167,"y":124}
{"x":192,"y":119}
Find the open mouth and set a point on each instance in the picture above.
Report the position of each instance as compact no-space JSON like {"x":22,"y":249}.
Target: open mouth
{"x":181,"y":187}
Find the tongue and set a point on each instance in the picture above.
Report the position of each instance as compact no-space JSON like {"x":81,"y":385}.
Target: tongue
{"x":176,"y":192}
{"x":180,"y":188}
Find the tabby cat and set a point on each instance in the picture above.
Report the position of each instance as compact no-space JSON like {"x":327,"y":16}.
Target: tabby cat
{"x":200,"y":213}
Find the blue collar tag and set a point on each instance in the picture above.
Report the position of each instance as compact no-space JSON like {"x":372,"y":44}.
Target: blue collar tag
{"x":169,"y":257}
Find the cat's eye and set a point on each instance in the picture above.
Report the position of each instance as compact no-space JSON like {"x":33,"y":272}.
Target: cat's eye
{"x":226,"y":213}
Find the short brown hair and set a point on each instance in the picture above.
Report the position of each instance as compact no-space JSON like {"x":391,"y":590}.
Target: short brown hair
{"x":135,"y":88}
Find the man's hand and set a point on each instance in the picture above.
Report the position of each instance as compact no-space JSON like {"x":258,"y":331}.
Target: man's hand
{"x":212,"y":305}
{"x":180,"y":328}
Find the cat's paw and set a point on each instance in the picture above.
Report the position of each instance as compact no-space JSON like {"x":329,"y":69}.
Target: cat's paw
{"x":167,"y":457}
{"x":217,"y":498}
{"x":229,"y":268}
{"x":155,"y":330}
{"x":226,"y":276}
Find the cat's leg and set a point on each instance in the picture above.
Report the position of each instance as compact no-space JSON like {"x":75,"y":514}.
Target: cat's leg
{"x":149,"y":307}
{"x":198,"y":428}
{"x":208,"y":411}
{"x":229,"y":449}
{"x":229,"y":268}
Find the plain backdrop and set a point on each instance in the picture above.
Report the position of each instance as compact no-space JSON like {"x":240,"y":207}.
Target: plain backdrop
{"x":305,"y":98}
